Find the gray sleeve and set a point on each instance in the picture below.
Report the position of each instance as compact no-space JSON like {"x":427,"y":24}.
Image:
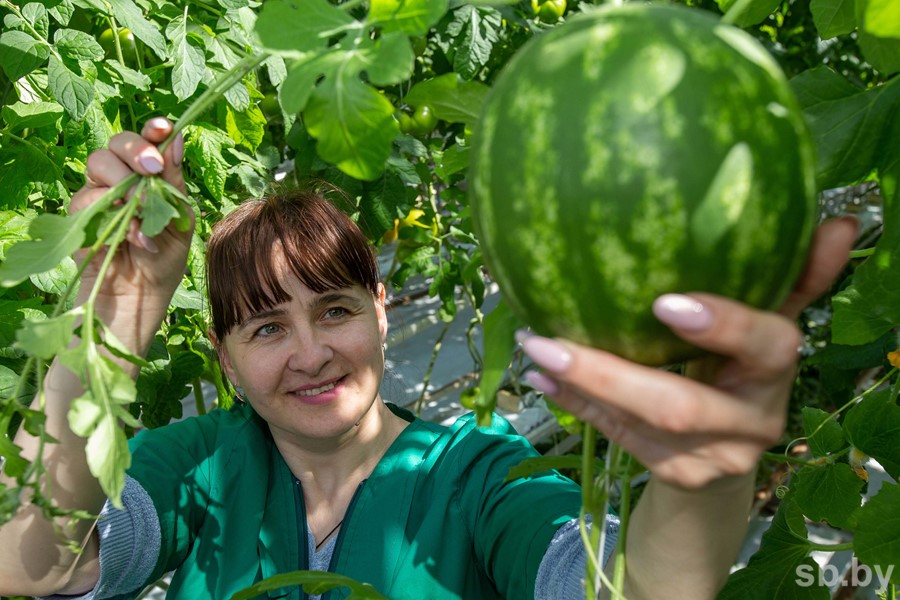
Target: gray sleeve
{"x":563,"y":567}
{"x":129,"y":545}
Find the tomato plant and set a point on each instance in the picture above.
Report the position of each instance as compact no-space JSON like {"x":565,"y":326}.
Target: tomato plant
{"x":321,"y":89}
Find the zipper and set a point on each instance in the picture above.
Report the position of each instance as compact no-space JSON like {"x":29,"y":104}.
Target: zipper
{"x":300,"y":503}
{"x":340,"y":536}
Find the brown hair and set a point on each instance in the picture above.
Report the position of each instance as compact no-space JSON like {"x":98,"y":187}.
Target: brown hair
{"x":323,"y":248}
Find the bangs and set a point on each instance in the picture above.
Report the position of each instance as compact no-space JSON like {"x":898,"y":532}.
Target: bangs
{"x":250,"y":248}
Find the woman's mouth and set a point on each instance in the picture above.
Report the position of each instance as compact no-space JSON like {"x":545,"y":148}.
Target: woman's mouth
{"x":317,"y":390}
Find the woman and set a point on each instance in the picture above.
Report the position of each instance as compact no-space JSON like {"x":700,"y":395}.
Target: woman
{"x":418,"y":510}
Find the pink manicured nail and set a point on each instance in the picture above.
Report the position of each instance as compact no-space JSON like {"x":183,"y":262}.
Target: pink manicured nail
{"x":151,"y":164}
{"x":542,"y":383}
{"x":522,"y":335}
{"x":682,"y":312}
{"x":547,"y":353}
{"x":147,"y":242}
{"x":178,"y":150}
{"x":160,"y":123}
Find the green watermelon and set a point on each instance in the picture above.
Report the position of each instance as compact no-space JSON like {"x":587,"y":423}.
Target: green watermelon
{"x":635,"y":151}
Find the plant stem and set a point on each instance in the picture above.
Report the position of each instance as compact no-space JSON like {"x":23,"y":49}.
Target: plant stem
{"x":212,"y":94}
{"x":198,"y":396}
{"x":624,"y":516}
{"x":862,"y":253}
{"x":816,"y":547}
{"x":427,"y":379}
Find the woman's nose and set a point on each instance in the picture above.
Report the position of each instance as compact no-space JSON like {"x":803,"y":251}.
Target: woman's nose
{"x":310,"y":352}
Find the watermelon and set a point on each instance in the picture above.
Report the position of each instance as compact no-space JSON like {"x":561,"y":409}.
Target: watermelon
{"x":634,"y":151}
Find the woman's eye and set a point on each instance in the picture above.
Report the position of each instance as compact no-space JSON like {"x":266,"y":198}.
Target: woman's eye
{"x":267,"y":329}
{"x":335,"y":312}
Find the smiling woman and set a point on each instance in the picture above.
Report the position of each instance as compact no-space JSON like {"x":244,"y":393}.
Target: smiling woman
{"x":315,"y":471}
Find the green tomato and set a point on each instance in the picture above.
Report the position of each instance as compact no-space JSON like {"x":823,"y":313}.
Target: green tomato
{"x":126,"y":41}
{"x":270,"y":105}
{"x":548,"y":11}
{"x":424,"y":120}
{"x":405,"y":121}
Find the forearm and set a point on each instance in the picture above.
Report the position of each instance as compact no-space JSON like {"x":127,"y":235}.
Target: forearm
{"x":682,"y":543}
{"x":33,"y":552}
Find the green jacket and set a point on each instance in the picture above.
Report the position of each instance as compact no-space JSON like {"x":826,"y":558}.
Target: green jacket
{"x":436,"y":518}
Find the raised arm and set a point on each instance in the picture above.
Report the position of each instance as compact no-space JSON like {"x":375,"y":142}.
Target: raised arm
{"x":701,"y":436}
{"x":132,"y":302}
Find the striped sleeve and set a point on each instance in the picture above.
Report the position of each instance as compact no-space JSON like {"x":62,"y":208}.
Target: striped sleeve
{"x":129,"y":545}
{"x":563,"y":567}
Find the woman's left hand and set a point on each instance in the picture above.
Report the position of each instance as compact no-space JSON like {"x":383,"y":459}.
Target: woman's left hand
{"x":690,"y":431}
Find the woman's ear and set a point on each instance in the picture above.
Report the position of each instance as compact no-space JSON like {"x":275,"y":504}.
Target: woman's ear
{"x":222,"y":353}
{"x":381,"y":311}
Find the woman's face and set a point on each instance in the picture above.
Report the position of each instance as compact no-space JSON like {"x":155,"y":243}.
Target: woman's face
{"x":312,"y":366}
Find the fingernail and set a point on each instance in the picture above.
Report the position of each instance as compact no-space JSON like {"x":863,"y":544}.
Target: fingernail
{"x":151,"y":164}
{"x":147,"y":242}
{"x":682,"y":312}
{"x":522,"y":335}
{"x":178,"y":150}
{"x":542,"y":383}
{"x":547,"y":353}
{"x":158,"y":123}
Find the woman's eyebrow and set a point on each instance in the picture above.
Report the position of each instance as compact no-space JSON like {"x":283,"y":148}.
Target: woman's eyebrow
{"x":262,"y":315}
{"x":334,"y":297}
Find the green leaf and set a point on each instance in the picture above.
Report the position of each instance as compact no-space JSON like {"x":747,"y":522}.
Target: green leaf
{"x":96,"y":415}
{"x":753,"y":13}
{"x":451,"y":98}
{"x":474,"y":31}
{"x":381,"y":203}
{"x":57,"y":279}
{"x":824,"y":434}
{"x":46,"y":338}
{"x":389,"y":59}
{"x":780,"y":565}
{"x":299,"y":26}
{"x":301,"y":80}
{"x":882,"y":18}
{"x":189,"y":57}
{"x":36,"y":14}
{"x":132,"y":17}
{"x":126,"y":75}
{"x":54,"y":238}
{"x":354,"y":125}
{"x":14,"y":465}
{"x":203,"y":145}
{"x":867,"y":309}
{"x":74,"y":92}
{"x":77,"y":45}
{"x":156,"y":212}
{"x":500,"y":326}
{"x":876,"y":539}
{"x":313,"y":582}
{"x":19,"y":115}
{"x":24,"y":169}
{"x":20,"y":54}
{"x":413,"y":17}
{"x":247,"y":128}
{"x":833,"y":17}
{"x":882,"y":53}
{"x":829,"y":493}
{"x":873,"y":426}
{"x":849,"y":126}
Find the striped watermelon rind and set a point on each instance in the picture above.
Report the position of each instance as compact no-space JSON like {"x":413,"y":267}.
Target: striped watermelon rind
{"x":634,"y":151}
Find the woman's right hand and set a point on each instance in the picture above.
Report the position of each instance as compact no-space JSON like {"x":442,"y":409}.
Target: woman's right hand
{"x":143,"y":267}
